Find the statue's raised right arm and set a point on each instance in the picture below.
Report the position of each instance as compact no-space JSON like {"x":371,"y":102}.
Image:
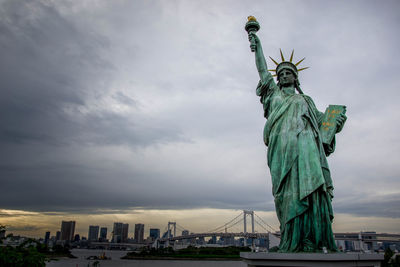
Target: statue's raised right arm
{"x":260,"y":59}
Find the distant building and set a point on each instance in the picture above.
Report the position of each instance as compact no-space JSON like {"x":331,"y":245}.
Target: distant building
{"x":185,"y":232}
{"x":2,"y":233}
{"x":369,"y":240}
{"x":154,"y":233}
{"x":67,"y":230}
{"x":103,"y":234}
{"x":200,"y":241}
{"x":125,"y":229}
{"x":93,"y":233}
{"x":262,"y":242}
{"x":77,"y":238}
{"x":139,"y":232}
{"x":227,"y":241}
{"x":117,"y":233}
{"x":120,"y":232}
{"x":47,"y":237}
{"x":58,"y":235}
{"x":213,"y":240}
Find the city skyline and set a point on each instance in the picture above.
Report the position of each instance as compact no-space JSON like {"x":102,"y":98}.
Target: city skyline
{"x":146,"y":112}
{"x":120,"y":233}
{"x":350,"y":241}
{"x":346,"y":224}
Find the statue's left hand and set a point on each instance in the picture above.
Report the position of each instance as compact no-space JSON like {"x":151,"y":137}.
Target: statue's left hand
{"x":340,"y":120}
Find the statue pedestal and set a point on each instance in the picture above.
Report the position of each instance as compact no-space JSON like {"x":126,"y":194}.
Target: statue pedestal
{"x":311,"y":259}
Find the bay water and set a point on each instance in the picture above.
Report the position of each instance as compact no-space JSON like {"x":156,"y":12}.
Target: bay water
{"x":116,"y":261}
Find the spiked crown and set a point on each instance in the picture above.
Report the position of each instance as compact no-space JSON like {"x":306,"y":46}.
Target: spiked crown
{"x":286,"y":64}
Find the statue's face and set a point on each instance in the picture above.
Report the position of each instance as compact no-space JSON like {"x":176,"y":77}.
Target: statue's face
{"x":286,"y":78}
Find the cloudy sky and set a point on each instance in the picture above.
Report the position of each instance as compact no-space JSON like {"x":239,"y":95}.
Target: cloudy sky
{"x":145,"y":111}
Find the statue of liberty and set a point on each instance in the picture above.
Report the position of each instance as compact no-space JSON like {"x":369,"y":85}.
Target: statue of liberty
{"x":297,"y":150}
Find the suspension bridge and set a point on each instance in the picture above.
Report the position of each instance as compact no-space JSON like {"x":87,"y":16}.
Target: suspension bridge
{"x":226,"y":230}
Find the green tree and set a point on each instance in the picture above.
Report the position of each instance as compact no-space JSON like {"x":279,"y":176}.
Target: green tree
{"x":2,"y":231}
{"x":389,"y":260}
{"x":26,"y":254}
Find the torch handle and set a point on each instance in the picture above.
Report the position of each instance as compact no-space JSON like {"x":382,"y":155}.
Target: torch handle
{"x":252,"y":26}
{"x":252,"y":43}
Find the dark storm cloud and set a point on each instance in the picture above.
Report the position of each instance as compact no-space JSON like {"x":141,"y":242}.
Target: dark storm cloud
{"x":75,"y":188}
{"x":45,"y":62}
{"x":50,"y":64}
{"x":364,"y":205}
{"x":49,"y":69}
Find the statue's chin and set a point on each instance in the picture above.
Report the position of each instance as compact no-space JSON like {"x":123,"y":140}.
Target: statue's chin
{"x":287,"y":84}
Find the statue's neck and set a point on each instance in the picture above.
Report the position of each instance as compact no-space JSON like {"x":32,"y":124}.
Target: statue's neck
{"x":288,"y":90}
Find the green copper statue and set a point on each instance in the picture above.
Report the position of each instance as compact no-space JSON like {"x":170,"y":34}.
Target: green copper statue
{"x":299,"y":138}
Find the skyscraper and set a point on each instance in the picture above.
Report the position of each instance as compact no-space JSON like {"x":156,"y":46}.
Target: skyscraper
{"x":125,"y":228}
{"x":117,"y":233}
{"x":120,"y":232}
{"x":67,"y":230}
{"x":154,"y":233}
{"x":103,"y":234}
{"x":58,"y":235}
{"x":46,"y":238}
{"x":93,"y":233}
{"x":139,"y":232}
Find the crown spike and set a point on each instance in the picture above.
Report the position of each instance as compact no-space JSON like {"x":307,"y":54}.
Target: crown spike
{"x":291,"y":56}
{"x":274,"y":75}
{"x":276,"y":63}
{"x":303,"y":69}
{"x":283,"y":59}
{"x":299,"y":62}
{"x":272,"y":70}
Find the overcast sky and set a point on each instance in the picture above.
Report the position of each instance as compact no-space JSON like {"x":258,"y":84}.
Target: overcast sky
{"x":118,"y":107}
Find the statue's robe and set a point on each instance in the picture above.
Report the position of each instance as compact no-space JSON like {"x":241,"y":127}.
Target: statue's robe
{"x":301,"y":181}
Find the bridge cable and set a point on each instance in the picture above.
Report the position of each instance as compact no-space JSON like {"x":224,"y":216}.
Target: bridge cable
{"x":262,"y":226}
{"x":265,"y":223}
{"x":180,"y":227}
{"x":230,"y":225}
{"x":234,"y":224}
{"x":223,"y":226}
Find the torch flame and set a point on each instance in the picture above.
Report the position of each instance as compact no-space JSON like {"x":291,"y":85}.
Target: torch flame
{"x":251,"y":18}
